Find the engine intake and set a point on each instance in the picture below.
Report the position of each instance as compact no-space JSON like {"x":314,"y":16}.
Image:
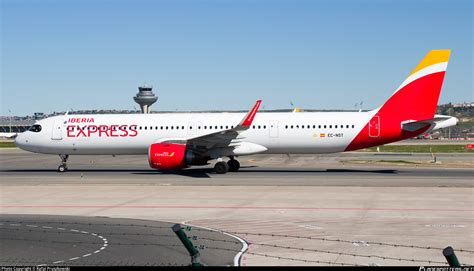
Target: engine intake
{"x":172,"y":156}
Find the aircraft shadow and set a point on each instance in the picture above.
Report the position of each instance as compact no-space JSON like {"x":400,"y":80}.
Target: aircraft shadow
{"x":189,"y":172}
{"x":208,"y":172}
{"x":377,"y":171}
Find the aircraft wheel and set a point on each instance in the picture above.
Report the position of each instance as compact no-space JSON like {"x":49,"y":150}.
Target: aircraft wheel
{"x":62,"y":168}
{"x":221,"y":167}
{"x":233,"y":164}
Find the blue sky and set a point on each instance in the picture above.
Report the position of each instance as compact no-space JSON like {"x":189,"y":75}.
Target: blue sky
{"x":58,"y":55}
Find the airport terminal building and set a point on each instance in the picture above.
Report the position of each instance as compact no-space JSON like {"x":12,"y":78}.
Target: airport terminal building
{"x":15,"y":125}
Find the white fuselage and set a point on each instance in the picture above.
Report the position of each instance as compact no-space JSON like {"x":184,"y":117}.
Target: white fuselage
{"x":303,"y":132}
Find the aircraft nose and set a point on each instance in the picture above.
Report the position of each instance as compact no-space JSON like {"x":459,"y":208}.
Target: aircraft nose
{"x":20,"y":141}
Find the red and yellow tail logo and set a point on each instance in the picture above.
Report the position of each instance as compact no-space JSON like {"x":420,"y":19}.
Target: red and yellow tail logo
{"x":416,"y":99}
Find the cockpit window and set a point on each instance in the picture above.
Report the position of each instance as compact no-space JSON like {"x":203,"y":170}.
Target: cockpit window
{"x":35,"y":128}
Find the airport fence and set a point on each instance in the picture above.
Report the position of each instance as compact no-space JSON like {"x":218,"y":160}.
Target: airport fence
{"x":117,"y":236}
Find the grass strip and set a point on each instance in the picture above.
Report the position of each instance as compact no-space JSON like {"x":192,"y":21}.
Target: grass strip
{"x":421,"y":148}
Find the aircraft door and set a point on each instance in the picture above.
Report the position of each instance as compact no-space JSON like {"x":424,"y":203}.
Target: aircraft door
{"x":374,"y":126}
{"x":273,"y":129}
{"x":57,"y":132}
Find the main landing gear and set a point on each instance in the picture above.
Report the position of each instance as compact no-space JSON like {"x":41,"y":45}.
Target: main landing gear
{"x":233,"y":164}
{"x":63,"y":167}
{"x":222,"y":167}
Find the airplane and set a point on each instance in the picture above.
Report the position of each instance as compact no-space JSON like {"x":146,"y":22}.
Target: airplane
{"x":174,"y":141}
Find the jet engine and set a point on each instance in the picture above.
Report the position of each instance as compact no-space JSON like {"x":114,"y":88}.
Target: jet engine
{"x":172,"y":156}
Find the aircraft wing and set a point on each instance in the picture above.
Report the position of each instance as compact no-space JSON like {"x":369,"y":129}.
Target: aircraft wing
{"x":225,"y":140}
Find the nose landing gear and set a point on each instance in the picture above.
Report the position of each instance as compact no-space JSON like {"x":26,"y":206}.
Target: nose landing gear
{"x":63,"y":167}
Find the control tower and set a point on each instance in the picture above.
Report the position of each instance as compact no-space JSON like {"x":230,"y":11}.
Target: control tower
{"x":145,"y":98}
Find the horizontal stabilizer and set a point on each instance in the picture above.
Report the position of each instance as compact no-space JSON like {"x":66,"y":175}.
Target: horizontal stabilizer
{"x":438,"y":122}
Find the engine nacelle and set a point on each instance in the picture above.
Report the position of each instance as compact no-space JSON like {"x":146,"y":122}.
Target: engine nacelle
{"x":172,"y":156}
{"x":167,"y":155}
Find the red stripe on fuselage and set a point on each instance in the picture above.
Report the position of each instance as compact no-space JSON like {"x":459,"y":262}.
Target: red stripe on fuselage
{"x":415,"y":101}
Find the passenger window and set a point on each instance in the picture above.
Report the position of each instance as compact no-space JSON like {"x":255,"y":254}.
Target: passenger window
{"x":330,"y":126}
{"x":291,"y":126}
{"x":182,"y":127}
{"x":259,"y":127}
{"x":286,"y":126}
{"x":264,"y":126}
{"x":335,"y":126}
{"x":347,"y":126}
{"x":353,"y":126}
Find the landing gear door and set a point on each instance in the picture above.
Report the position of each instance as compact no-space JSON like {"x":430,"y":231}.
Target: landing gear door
{"x":374,"y":126}
{"x":57,"y":133}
